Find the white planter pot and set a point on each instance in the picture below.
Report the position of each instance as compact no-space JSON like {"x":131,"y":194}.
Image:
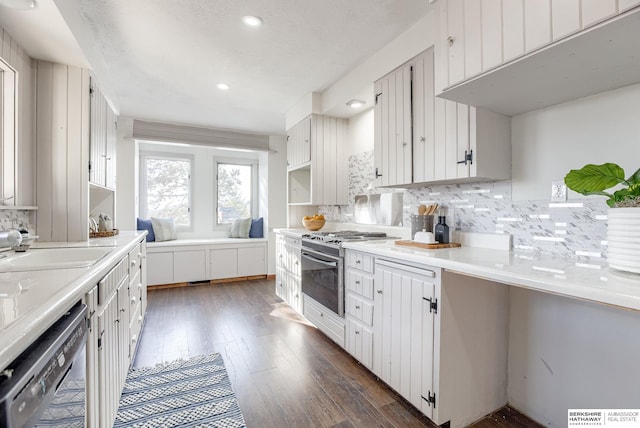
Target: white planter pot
{"x":623,"y":239}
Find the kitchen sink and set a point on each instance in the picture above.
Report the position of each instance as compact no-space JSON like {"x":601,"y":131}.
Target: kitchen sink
{"x":52,"y":258}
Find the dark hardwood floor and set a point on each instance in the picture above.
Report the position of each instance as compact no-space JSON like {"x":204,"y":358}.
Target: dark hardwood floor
{"x":285,"y":373}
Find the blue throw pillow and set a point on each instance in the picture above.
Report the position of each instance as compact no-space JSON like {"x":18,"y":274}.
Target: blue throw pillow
{"x":145,"y":224}
{"x":256,"y":228}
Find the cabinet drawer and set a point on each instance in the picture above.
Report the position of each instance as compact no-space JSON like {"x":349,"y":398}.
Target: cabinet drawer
{"x":359,"y":309}
{"x":327,"y":321}
{"x":359,"y":283}
{"x":135,"y":328}
{"x":109,"y":284}
{"x":363,"y":262}
{"x":135,"y":259}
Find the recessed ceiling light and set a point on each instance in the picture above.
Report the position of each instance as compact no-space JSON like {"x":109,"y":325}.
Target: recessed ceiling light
{"x":355,"y":103}
{"x":19,"y":4}
{"x":222,"y":86}
{"x":252,"y":21}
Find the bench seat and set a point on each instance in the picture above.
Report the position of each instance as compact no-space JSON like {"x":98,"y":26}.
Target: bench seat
{"x":203,"y":259}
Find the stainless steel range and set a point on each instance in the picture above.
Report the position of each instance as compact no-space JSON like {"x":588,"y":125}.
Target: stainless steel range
{"x":323,"y":265}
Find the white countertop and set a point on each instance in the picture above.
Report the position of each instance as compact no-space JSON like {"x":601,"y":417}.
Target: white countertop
{"x":32,"y":301}
{"x":575,"y":278}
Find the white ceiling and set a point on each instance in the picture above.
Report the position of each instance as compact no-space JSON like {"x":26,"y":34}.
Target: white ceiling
{"x":161,"y":59}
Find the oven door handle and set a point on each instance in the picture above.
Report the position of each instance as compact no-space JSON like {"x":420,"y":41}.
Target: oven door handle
{"x":317,"y":260}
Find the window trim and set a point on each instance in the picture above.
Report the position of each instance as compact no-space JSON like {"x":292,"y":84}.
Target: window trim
{"x":254,"y":163}
{"x":144,"y":155}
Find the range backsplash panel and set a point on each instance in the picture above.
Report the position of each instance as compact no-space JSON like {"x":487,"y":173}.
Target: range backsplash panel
{"x":576,"y":228}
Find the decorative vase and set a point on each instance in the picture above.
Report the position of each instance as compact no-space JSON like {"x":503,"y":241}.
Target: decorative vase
{"x":623,"y":239}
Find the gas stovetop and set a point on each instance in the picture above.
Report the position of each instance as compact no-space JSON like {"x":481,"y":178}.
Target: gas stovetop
{"x":331,"y":241}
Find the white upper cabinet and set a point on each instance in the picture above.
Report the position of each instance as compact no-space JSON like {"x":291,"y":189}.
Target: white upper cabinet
{"x":393,"y":133}
{"x":537,"y":24}
{"x":299,"y":143}
{"x":102,"y":145}
{"x":420,"y":138}
{"x":520,"y":55}
{"x":318,"y":165}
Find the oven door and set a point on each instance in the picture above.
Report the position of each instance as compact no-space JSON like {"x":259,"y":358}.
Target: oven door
{"x":322,"y":279}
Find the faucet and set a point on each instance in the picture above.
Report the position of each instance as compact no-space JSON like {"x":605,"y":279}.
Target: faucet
{"x":10,"y":238}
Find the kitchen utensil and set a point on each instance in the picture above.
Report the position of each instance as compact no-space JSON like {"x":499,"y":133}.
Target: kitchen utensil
{"x":420,"y":223}
{"x":422,"y":209}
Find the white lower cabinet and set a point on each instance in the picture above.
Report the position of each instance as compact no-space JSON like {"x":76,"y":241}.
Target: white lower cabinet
{"x":237,"y":262}
{"x":288,"y":264}
{"x":403,"y":331}
{"x":438,"y":338}
{"x":116,"y":310}
{"x":359,"y":306}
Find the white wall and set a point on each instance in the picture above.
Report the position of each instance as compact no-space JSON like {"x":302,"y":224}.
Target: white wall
{"x":277,"y":195}
{"x":548,"y":143}
{"x":126,"y":176}
{"x":565,"y":353}
{"x":360,"y":135}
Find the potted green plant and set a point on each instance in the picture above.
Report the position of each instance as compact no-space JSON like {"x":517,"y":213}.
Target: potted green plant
{"x":623,"y":228}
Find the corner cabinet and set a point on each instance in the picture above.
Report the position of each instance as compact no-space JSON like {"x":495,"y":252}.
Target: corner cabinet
{"x":419,"y":138}
{"x":439,"y":339}
{"x":317,"y":162}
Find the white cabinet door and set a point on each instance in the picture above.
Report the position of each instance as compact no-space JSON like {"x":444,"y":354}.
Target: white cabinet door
{"x":424,"y":161}
{"x":473,"y":33}
{"x":299,"y":143}
{"x":624,"y":5}
{"x":102,"y":140}
{"x":224,"y":263}
{"x":596,"y":11}
{"x":359,"y":342}
{"x":454,"y":40}
{"x":189,"y":266}
{"x":566,"y":17}
{"x":403,"y":330}
{"x":160,"y":268}
{"x":251,"y":261}
{"x":537,"y":23}
{"x":512,"y":29}
{"x":491,"y":34}
{"x":393,"y":105}
{"x":110,"y":149}
{"x":108,"y":362}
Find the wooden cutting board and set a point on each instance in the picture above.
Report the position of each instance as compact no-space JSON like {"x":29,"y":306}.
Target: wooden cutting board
{"x":428,"y":246}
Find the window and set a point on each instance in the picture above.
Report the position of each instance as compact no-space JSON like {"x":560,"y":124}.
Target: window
{"x":237,"y":188}
{"x":165,"y":187}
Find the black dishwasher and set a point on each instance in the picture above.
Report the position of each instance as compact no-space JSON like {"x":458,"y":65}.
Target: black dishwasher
{"x":45,"y":384}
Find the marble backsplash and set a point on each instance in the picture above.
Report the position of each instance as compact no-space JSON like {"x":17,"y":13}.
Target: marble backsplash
{"x":17,"y":219}
{"x":576,"y":228}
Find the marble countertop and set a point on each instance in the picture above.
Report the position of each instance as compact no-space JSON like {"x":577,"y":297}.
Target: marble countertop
{"x":575,"y":278}
{"x":32,"y":301}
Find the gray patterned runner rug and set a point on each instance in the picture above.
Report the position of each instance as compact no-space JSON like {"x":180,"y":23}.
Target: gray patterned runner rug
{"x":192,"y":393}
